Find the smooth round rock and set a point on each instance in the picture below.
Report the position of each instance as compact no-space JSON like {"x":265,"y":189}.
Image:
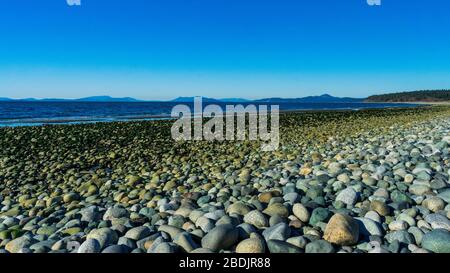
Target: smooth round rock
{"x":238,"y":208}
{"x":438,"y":221}
{"x":434,"y":204}
{"x":342,"y":230}
{"x":319,"y":215}
{"x":137,"y":233}
{"x":437,"y":240}
{"x":347,"y":196}
{"x":280,"y":231}
{"x":277,"y":246}
{"x":116,"y":249}
{"x":276,"y":209}
{"x":301,"y":212}
{"x":369,"y":227}
{"x":254,"y":244}
{"x":89,"y":246}
{"x":17,"y":244}
{"x":319,"y":246}
{"x":256,"y":218}
{"x":380,"y":207}
{"x":220,"y":237}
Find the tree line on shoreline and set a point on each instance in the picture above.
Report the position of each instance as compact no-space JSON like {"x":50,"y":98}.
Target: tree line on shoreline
{"x":413,"y":96}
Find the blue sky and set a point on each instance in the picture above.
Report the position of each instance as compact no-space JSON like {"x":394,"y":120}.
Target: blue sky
{"x":161,"y":49}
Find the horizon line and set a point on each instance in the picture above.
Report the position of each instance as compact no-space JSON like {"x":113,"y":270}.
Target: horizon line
{"x":137,"y":99}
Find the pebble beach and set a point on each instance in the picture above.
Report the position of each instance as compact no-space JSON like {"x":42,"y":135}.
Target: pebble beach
{"x":369,"y":181}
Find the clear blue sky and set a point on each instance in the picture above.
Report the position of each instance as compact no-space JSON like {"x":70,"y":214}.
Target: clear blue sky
{"x":158,"y":49}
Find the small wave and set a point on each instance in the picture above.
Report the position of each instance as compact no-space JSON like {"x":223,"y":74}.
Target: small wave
{"x":77,"y":120}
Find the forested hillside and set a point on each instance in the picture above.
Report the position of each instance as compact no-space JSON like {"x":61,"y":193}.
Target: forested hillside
{"x":414,"y":96}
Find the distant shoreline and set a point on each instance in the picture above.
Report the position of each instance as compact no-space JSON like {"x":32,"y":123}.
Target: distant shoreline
{"x":412,"y":102}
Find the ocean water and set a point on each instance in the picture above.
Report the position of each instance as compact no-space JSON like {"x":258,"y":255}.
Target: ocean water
{"x":19,"y":113}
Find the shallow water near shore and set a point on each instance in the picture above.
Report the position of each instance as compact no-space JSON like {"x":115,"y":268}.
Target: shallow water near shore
{"x":40,"y":113}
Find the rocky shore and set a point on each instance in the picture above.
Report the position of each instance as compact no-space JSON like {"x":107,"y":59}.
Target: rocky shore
{"x":372,"y":181}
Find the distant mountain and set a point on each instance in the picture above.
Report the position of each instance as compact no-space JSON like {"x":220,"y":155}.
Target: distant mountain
{"x":237,"y":100}
{"x":86,"y":99}
{"x":325,"y":98}
{"x":107,"y":99}
{"x":211,"y":100}
{"x":191,"y":100}
{"x":50,"y":99}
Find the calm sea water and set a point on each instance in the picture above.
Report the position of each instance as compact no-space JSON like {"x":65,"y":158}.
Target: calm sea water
{"x":38,"y":113}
